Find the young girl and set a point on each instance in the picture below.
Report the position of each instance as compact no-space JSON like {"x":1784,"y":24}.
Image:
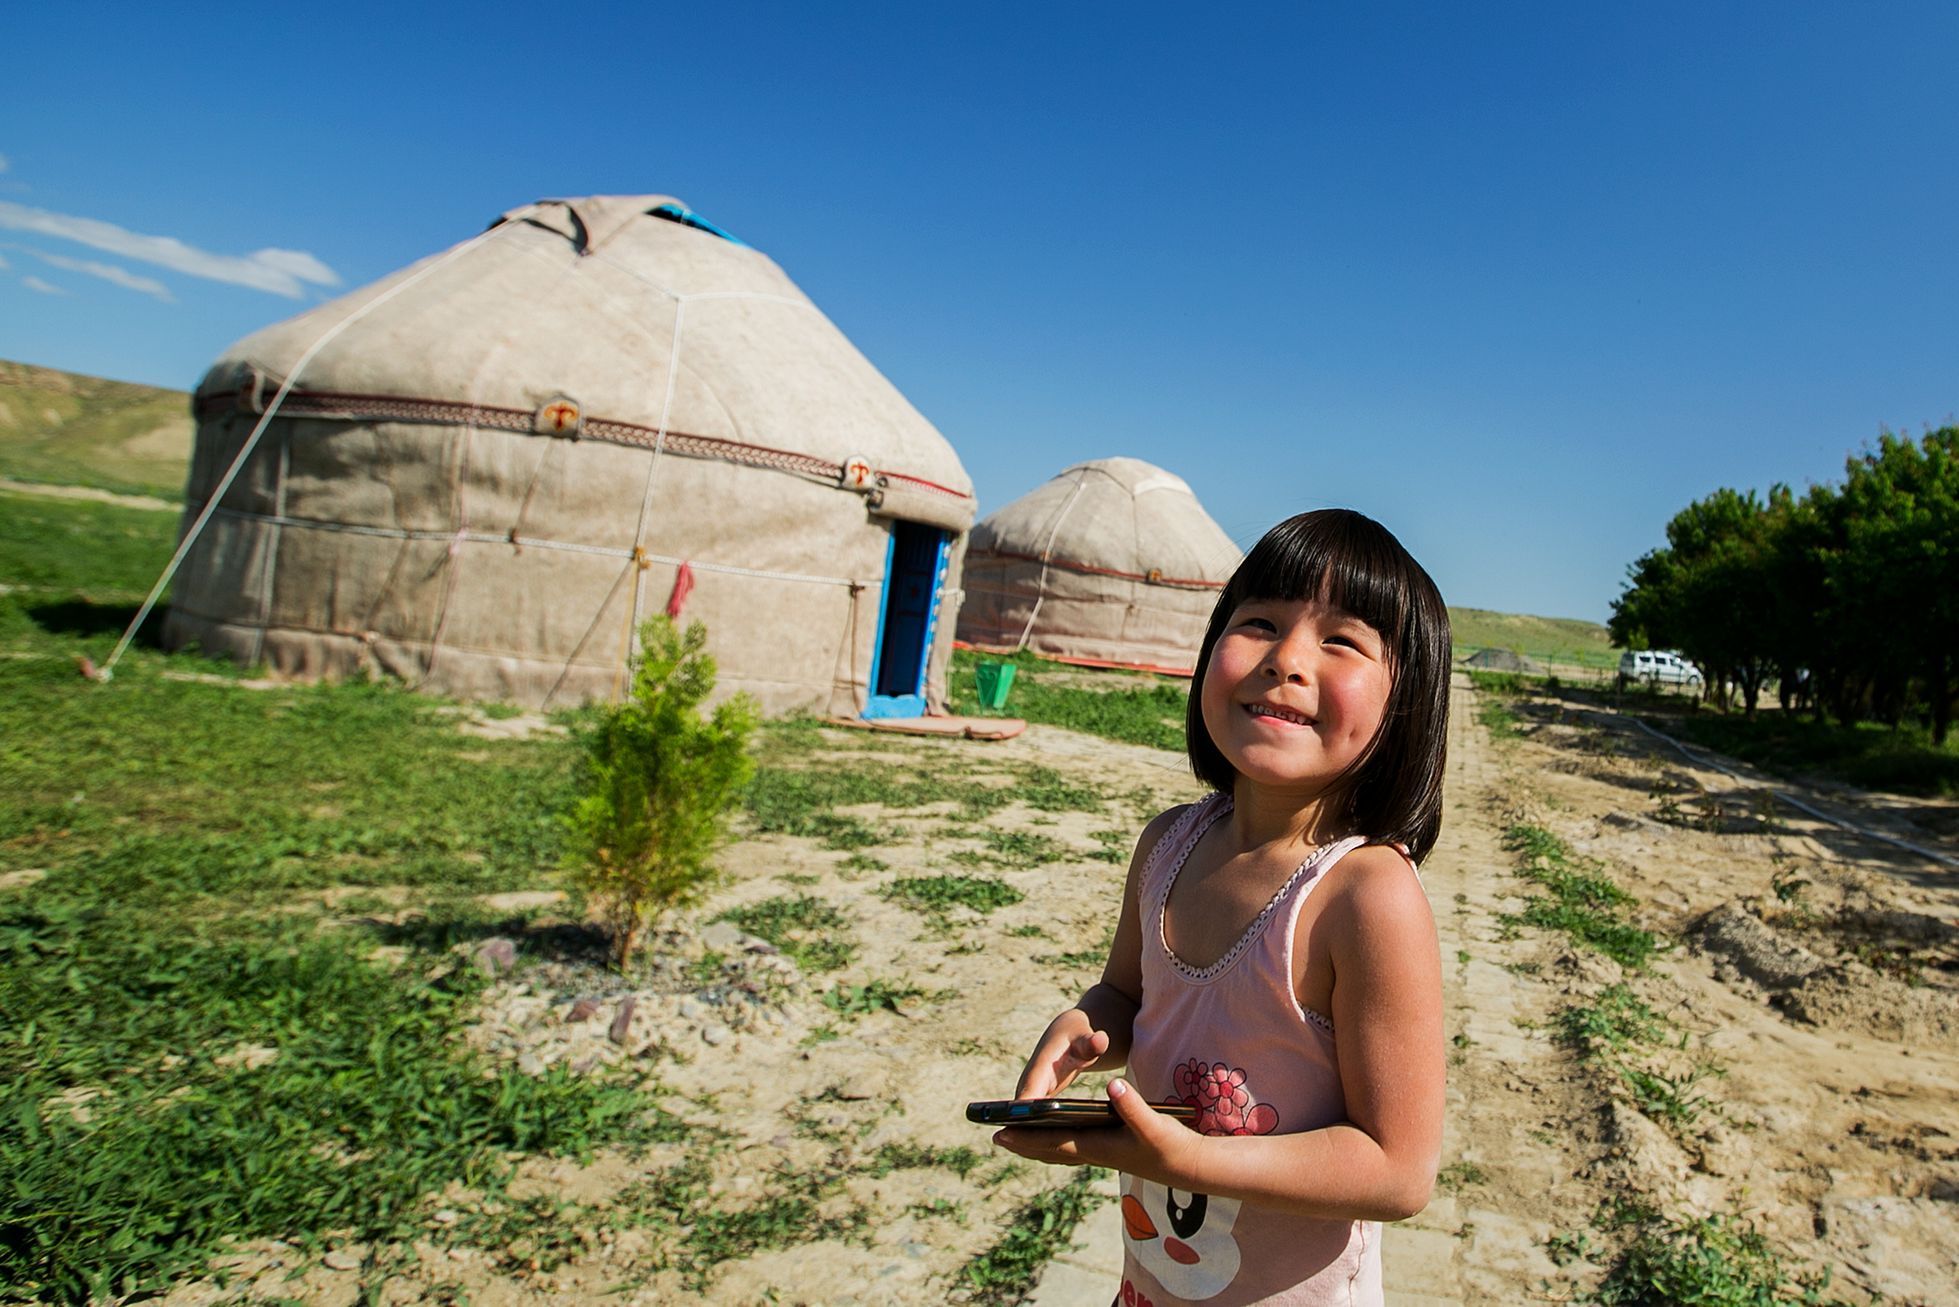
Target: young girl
{"x":1275,"y":965}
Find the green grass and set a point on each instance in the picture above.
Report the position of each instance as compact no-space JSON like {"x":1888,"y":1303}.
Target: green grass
{"x":871,"y":996}
{"x":185,"y":828}
{"x":811,"y":932}
{"x":1151,"y":715}
{"x":1713,"y":1261}
{"x":937,"y":896}
{"x":1871,"y":754}
{"x":961,"y":1161}
{"x":1010,"y":849}
{"x":1039,"y":1231}
{"x":1613,"y":1021}
{"x":1579,"y":902}
{"x":369,"y":1108}
{"x":62,"y":428}
{"x":796,"y":795}
{"x":59,"y":546}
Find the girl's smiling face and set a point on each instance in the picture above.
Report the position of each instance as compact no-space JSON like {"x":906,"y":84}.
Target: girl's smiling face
{"x":1295,"y":692}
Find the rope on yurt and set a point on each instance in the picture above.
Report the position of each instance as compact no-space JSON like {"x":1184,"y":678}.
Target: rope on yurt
{"x":590,"y":627}
{"x":1047,"y":552}
{"x":639,"y":565}
{"x":848,"y":654}
{"x":217,"y":495}
{"x":652,"y":474}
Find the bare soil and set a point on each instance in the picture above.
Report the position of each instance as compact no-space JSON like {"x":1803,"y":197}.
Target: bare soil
{"x":1812,"y":979}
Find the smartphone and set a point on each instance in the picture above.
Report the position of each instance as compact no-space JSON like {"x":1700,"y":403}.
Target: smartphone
{"x":1062,"y":1113}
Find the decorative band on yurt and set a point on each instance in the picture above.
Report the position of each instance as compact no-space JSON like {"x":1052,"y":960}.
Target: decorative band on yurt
{"x":437,"y":412}
{"x":1089,"y":569}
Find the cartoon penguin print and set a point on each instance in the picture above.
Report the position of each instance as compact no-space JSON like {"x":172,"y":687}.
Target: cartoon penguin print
{"x":1183,"y":1239}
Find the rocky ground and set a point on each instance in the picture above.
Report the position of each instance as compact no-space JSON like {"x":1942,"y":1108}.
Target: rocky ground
{"x":1796,"y":1073}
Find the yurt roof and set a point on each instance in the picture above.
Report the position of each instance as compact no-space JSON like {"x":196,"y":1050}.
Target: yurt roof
{"x":1118,"y":515}
{"x":657,"y":325}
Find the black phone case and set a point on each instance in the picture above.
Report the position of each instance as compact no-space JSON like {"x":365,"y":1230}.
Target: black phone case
{"x":1060,"y":1113}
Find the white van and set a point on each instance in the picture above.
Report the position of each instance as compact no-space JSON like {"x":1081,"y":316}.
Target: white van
{"x":1656,"y":667}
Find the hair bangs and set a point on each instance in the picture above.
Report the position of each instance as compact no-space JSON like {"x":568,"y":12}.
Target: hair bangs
{"x":1337,"y":557}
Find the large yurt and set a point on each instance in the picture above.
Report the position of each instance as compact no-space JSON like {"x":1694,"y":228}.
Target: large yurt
{"x":1112,"y":563}
{"x":481,"y":473}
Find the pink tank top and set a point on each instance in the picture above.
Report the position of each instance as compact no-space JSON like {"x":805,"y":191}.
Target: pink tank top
{"x":1233,"y":1041}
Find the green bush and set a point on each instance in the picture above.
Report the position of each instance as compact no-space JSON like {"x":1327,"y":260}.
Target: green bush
{"x":661,"y":782}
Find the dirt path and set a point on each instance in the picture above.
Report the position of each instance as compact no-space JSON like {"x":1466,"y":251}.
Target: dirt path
{"x":150,"y":502}
{"x":1812,"y":983}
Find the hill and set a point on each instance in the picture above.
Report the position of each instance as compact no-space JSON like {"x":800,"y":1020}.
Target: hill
{"x":62,"y":428}
{"x":1546,"y":639}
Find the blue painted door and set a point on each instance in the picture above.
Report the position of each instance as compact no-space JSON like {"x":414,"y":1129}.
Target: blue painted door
{"x":908,"y":610}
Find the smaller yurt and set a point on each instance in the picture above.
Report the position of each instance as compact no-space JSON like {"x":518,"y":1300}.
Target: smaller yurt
{"x":1113,"y":563}
{"x":483,"y":472}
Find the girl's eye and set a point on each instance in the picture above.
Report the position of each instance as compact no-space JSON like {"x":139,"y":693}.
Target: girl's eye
{"x":1258,"y":623}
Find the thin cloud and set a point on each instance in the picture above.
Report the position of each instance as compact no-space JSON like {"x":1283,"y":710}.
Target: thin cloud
{"x":3,"y":163}
{"x":35,"y":283}
{"x":278,"y":272}
{"x":107,"y":272}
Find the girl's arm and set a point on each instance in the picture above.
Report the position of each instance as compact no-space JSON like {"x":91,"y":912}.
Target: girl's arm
{"x":1095,"y":1032}
{"x":1378,"y":1164}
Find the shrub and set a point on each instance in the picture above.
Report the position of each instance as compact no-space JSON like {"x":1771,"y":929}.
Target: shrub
{"x":660,"y":782}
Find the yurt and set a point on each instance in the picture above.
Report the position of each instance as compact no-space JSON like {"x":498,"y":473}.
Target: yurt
{"x":481,"y":473}
{"x":1113,"y":563}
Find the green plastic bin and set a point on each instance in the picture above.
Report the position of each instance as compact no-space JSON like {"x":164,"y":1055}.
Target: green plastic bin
{"x":995,"y":679}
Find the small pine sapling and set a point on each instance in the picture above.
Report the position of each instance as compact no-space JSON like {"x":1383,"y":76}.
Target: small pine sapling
{"x":660,"y":785}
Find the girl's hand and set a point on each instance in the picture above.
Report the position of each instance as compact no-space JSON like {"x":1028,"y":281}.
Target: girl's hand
{"x":1058,"y":1060}
{"x":1147,"y":1143}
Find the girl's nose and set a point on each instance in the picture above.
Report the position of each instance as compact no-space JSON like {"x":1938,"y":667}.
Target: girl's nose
{"x":1288,"y":662}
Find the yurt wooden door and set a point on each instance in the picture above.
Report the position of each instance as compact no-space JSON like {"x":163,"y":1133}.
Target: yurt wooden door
{"x":914,"y":576}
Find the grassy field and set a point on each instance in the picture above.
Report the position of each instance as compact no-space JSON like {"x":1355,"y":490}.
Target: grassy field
{"x":101,"y":550}
{"x":61,"y":428}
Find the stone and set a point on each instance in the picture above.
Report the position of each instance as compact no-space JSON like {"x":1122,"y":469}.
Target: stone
{"x":341,"y":1260}
{"x":722,"y":936}
{"x":496,"y":956}
{"x":623,"y":1022}
{"x":583,"y":1010}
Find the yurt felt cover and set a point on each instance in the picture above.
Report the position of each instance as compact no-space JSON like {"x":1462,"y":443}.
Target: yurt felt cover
{"x":1112,"y":562}
{"x":493,"y":463}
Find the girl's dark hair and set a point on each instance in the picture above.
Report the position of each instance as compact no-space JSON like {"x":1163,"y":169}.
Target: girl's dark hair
{"x":1393,"y":792}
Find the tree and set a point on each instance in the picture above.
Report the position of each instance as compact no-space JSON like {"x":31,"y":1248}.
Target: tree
{"x":1708,"y":593}
{"x":660,"y":782}
{"x":1897,"y":576}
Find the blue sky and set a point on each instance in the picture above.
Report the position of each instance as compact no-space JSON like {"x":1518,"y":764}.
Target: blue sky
{"x":1519,"y":280}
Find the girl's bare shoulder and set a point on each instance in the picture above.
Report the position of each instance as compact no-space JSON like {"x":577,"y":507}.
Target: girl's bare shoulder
{"x":1375,"y":888}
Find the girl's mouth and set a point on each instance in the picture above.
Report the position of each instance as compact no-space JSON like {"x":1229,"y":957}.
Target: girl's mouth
{"x":1279,"y":713}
